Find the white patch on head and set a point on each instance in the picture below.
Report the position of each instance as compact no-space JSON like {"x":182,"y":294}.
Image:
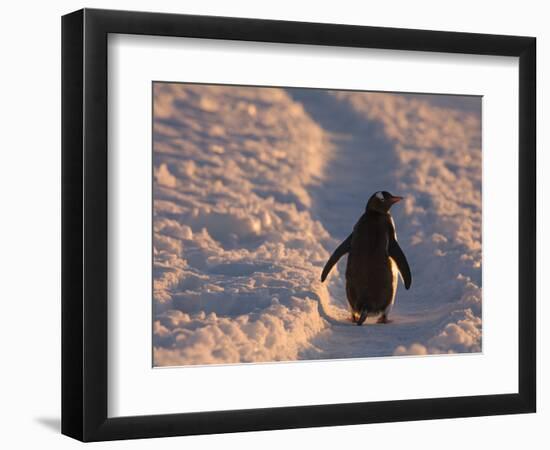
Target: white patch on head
{"x":379,"y":195}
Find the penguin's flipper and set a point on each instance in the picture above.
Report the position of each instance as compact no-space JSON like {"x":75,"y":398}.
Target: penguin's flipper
{"x":342,"y":249}
{"x":395,"y":252}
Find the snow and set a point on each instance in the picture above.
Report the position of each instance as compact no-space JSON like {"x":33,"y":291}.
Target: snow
{"x":255,"y":187}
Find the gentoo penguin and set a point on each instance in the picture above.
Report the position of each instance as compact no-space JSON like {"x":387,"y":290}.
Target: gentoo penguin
{"x":373,"y":261}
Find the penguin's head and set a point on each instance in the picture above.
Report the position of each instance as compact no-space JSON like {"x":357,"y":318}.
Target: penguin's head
{"x":382,"y":201}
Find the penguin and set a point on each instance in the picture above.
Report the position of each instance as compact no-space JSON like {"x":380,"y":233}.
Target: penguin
{"x":374,"y":259}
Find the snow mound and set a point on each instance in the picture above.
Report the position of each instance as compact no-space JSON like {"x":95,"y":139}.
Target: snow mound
{"x":236,"y":249}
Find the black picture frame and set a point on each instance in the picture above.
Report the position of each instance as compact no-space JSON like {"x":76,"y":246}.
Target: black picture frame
{"x":84,"y":224}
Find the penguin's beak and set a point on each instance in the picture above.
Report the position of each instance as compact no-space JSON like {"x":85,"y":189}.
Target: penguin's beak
{"x":395,"y":198}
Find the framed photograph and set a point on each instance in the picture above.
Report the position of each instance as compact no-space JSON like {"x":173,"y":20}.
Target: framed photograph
{"x":273,"y":224}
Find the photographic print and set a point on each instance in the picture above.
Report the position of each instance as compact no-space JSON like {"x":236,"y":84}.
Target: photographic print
{"x":295,"y":224}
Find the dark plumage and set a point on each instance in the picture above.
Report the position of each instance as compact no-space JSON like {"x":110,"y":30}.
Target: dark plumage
{"x":373,"y":261}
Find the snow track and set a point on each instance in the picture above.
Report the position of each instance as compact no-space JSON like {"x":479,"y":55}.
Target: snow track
{"x":431,"y":154}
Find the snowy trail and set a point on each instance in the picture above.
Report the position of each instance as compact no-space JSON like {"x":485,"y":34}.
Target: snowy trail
{"x":365,"y":160}
{"x":362,"y":163}
{"x":358,"y":148}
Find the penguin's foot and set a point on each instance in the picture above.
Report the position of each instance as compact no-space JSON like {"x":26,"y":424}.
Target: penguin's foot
{"x":362,"y":318}
{"x":384,"y":319}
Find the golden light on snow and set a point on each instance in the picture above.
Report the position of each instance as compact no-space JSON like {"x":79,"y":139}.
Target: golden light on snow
{"x":254,"y":187}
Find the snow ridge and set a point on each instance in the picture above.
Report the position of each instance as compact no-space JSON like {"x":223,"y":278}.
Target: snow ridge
{"x":235,"y":247}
